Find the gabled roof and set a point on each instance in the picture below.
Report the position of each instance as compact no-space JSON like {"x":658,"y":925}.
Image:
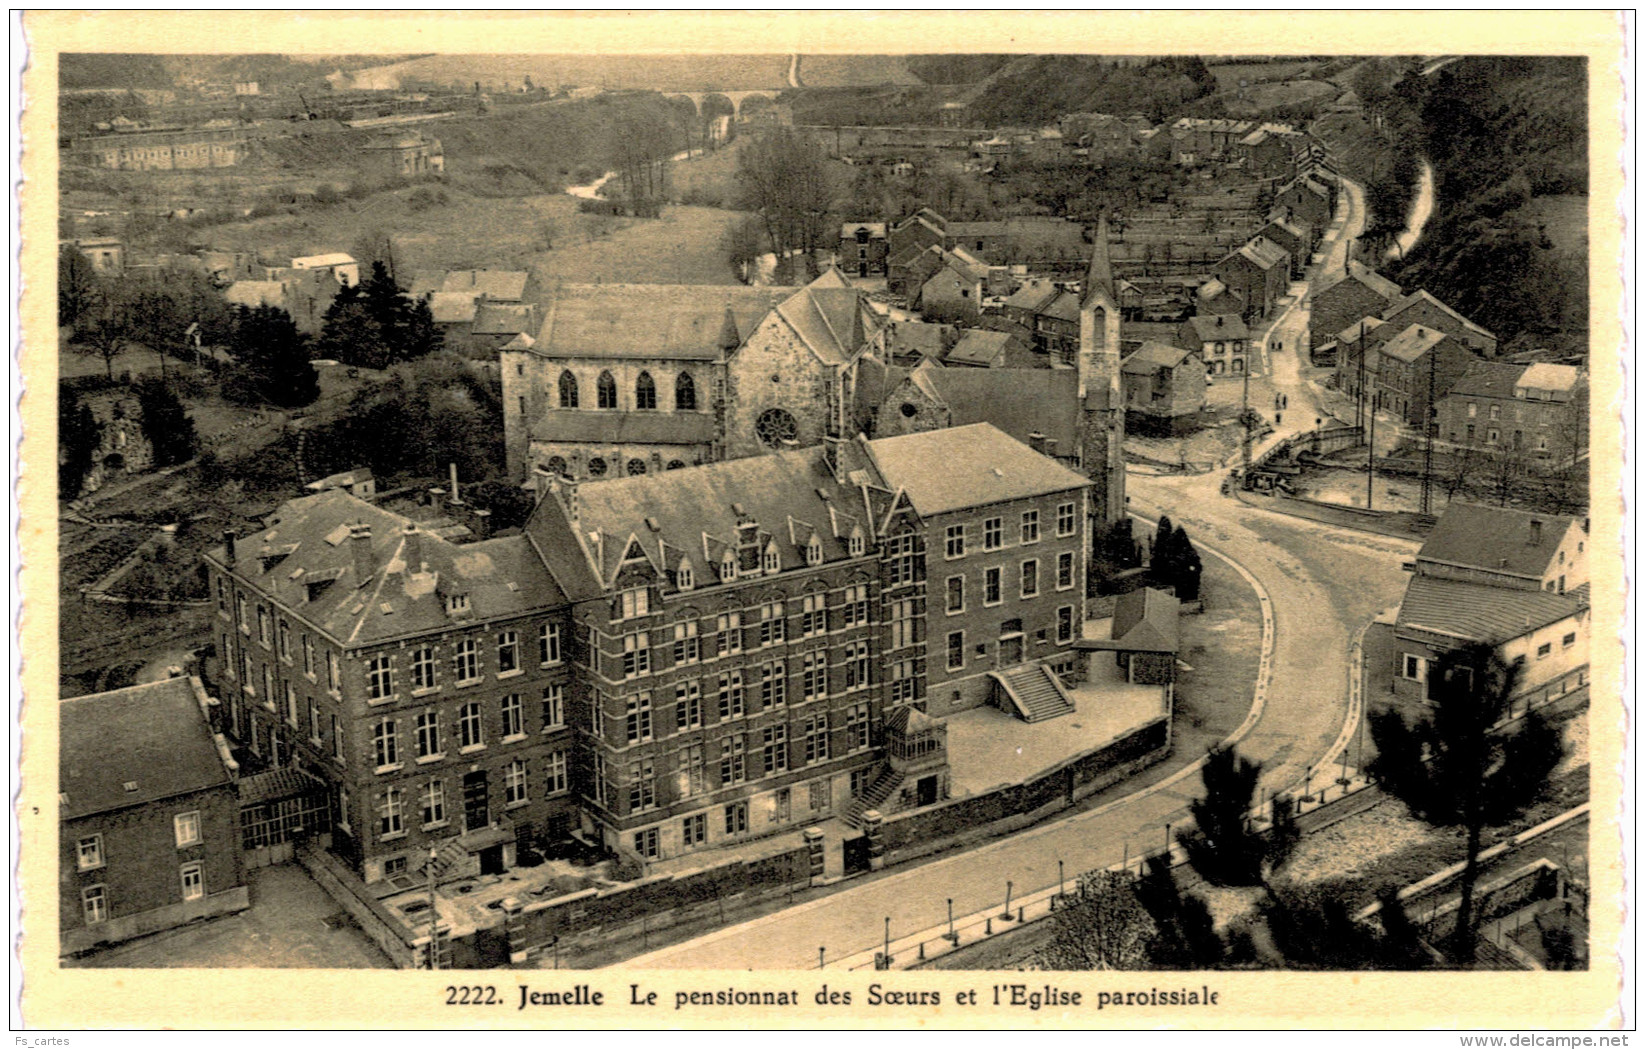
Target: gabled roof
{"x":1557,"y":379}
{"x":1488,"y":379}
{"x":876,"y":230}
{"x":1017,"y":401}
{"x":452,"y":307}
{"x":921,"y":337}
{"x":617,"y":428}
{"x":1065,"y":307}
{"x":308,"y":262}
{"x":1151,"y":356}
{"x":828,"y":315}
{"x":1261,"y":252}
{"x":308,"y":539}
{"x":1146,"y":621}
{"x":1411,"y":343}
{"x":1285,"y":227}
{"x":691,"y":507}
{"x":967,"y":466}
{"x":978,"y":346}
{"x":1478,"y":612}
{"x":1421,"y":296}
{"x":1034,"y":295}
{"x":1366,"y":276}
{"x":670,"y":321}
{"x":1367,"y":325}
{"x":1498,"y":539}
{"x":502,"y":285}
{"x":1211,"y":327}
{"x":153,"y":737}
{"x":505,"y":318}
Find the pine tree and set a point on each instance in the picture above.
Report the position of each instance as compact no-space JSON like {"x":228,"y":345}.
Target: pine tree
{"x":1222,"y":845}
{"x":77,"y":285}
{"x":166,"y":423}
{"x":1159,"y":561}
{"x":1185,"y":934}
{"x":1186,"y":566}
{"x":77,"y":439}
{"x":1456,"y":767}
{"x":267,"y":343}
{"x":350,"y":334}
{"x":1314,"y":928}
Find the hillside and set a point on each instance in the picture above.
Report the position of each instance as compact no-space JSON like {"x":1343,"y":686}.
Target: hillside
{"x":653,"y":72}
{"x":1037,"y":89}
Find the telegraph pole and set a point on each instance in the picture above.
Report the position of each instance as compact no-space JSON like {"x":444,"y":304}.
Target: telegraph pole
{"x":1370,"y":450}
{"x":1245,"y":420}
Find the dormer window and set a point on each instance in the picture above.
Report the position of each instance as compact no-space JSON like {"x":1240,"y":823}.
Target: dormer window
{"x":728,"y":568}
{"x":457,"y":605}
{"x":771,"y":561}
{"x":813,"y":551}
{"x":683,"y":578}
{"x":855,"y":543}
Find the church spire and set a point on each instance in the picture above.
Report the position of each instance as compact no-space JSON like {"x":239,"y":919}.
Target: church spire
{"x":1099,"y":278}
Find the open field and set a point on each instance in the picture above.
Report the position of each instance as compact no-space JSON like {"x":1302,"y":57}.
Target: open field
{"x":1229,"y":76}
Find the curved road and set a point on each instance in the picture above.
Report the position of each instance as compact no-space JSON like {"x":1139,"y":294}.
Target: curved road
{"x":1322,"y":585}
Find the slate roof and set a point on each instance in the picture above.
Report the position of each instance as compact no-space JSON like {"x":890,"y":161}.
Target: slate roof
{"x":1557,"y":379}
{"x":618,"y":428}
{"x":1478,"y":612}
{"x":979,"y":465}
{"x":1351,"y":333}
{"x":1206,"y":328}
{"x":1495,"y":538}
{"x":1412,"y":343}
{"x":305,"y":559}
{"x":1365,"y":276}
{"x":921,"y":337}
{"x":276,"y":784}
{"x":452,"y":307}
{"x":695,"y":517}
{"x":1065,"y":307}
{"x":505,"y":318}
{"x":1399,"y":307}
{"x":1146,"y":621}
{"x":1488,"y":379}
{"x":671,"y":321}
{"x":829,"y":316}
{"x":153,"y":736}
{"x":1018,"y":401}
{"x":978,"y":346}
{"x":501,"y":285}
{"x":1152,"y":356}
{"x":1261,"y":253}
{"x":1034,"y":295}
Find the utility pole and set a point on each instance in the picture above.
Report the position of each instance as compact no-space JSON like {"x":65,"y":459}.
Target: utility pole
{"x":1370,"y":448}
{"x":1245,"y":420}
{"x":1359,"y":402}
{"x":1428,"y":424}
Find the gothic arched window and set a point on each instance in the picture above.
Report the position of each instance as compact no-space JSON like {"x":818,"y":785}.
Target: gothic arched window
{"x":606,"y":388}
{"x":645,"y":391}
{"x":685,"y":393}
{"x":568,"y":389}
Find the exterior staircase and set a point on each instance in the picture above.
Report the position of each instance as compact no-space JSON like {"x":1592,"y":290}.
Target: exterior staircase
{"x":1033,"y":692}
{"x":449,"y":857}
{"x":881,"y":789}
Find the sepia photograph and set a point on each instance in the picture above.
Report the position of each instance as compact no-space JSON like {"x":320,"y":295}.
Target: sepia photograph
{"x":698,"y":510}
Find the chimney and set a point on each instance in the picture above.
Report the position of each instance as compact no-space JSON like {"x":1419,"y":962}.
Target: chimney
{"x":229,"y":536}
{"x":1536,"y":532}
{"x":456,"y":494}
{"x":413,"y":548}
{"x":359,"y":542}
{"x":1036,"y":441}
{"x":482,"y":523}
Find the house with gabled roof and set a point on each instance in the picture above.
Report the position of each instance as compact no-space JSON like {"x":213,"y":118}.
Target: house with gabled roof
{"x":1257,"y":273}
{"x":1422,"y":308}
{"x":1356,"y":293}
{"x":1538,"y":410}
{"x":1164,"y":389}
{"x":1516,"y":580}
{"x":1415,"y":368}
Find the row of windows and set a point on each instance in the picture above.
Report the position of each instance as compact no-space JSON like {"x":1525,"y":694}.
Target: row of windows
{"x":729,"y":694}
{"x":465,"y":662}
{"x":645,"y":391}
{"x":434,"y":799}
{"x":94,"y":900}
{"x":956,"y":639}
{"x":1028,"y":583}
{"x":185,"y":828}
{"x":429,"y":737}
{"x":765,"y":626}
{"x":993,"y":531}
{"x":246,"y":673}
{"x":738,"y":758}
{"x":735,"y":819}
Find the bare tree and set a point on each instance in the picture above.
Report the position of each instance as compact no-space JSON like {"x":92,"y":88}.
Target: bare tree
{"x":785,"y":180}
{"x":1101,"y":926}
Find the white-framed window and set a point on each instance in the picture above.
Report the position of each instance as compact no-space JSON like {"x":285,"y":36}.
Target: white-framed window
{"x":553,"y":706}
{"x":1065,"y":623}
{"x":774,"y":748}
{"x":637,"y":718}
{"x":434,"y":803}
{"x":380,"y":677}
{"x":1030,"y":526}
{"x":94,"y":902}
{"x":736,"y":818}
{"x":334,"y":671}
{"x":856,"y":727}
{"x":904,"y":681}
{"x":391,"y":813}
{"x":694,"y":830}
{"x":645,"y":843}
{"x":508,"y":652}
{"x":771,"y":623}
{"x":855,"y":543}
{"x":1414,"y":667}
{"x":285,"y":640}
{"x":813,"y":615}
{"x":428,"y":734}
{"x":688,"y":705}
{"x":728,"y":633}
{"x":956,"y":650}
{"x":814,"y":736}
{"x":636,"y":655}
{"x":1030,"y":577}
{"x":1065,"y":570}
{"x":773,"y":685}
{"x":684,"y":578}
{"x":555,"y":780}
{"x":854,"y":612}
{"x":956,"y":594}
{"x":385,"y":743}
{"x":642,"y":785}
{"x":265,"y":633}
{"x":515,"y":791}
{"x":1568,"y":641}
{"x":954,"y":541}
{"x":1065,"y":519}
{"x":771,"y":561}
{"x":308,"y":656}
{"x":467,"y":661}
{"x":422,"y":669}
{"x":687,"y":650}
{"x":731,"y":695}
{"x":186,"y":828}
{"x":513,"y":716}
{"x":693,"y":777}
{"x":636,"y":601}
{"x":470,"y":726}
{"x":291,"y":706}
{"x":905,"y":560}
{"x":991,"y":587}
{"x":993,"y":534}
{"x":1544,"y":649}
{"x":903,"y":621}
{"x":733,"y":760}
{"x":813,"y":676}
{"x":337,"y":738}
{"x":856,"y":665}
{"x":89,"y":852}
{"x":194,"y":881}
{"x":548,"y":644}
{"x":728,"y":567}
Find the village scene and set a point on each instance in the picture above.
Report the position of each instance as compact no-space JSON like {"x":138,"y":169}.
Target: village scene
{"x":841,"y":512}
